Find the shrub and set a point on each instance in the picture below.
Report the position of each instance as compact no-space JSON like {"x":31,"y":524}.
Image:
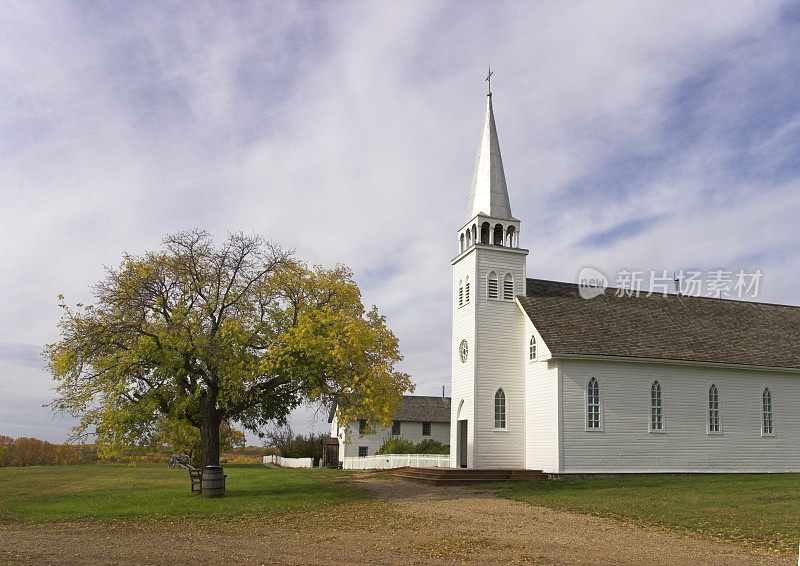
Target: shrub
{"x":432,"y":447}
{"x":291,"y":445}
{"x":303,"y":447}
{"x":394,"y":445}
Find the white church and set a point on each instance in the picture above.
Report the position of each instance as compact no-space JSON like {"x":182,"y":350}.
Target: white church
{"x":545,"y":379}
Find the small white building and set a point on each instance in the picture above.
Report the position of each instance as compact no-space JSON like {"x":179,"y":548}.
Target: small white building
{"x":543,"y":378}
{"x":419,"y":418}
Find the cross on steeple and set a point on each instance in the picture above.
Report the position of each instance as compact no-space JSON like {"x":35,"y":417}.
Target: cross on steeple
{"x":489,"y":78}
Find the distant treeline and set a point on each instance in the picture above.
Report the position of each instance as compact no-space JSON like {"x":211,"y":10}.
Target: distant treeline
{"x":35,"y":452}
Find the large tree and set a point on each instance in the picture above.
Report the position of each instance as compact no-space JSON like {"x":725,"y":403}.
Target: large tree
{"x":181,"y":437}
{"x":204,"y":333}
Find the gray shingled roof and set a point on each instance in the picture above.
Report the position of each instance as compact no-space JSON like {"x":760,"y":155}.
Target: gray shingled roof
{"x":418,"y":408}
{"x":689,"y":328}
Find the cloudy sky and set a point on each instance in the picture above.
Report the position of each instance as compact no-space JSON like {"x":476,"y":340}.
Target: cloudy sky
{"x":634,"y":135}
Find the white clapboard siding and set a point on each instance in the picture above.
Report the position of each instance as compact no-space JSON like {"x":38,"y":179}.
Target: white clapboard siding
{"x":541,"y":405}
{"x":463,"y":374}
{"x":626,"y":445}
{"x":411,"y":431}
{"x":499,"y":361}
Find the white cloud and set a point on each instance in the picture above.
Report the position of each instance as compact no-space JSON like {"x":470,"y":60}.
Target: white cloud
{"x":348,"y":131}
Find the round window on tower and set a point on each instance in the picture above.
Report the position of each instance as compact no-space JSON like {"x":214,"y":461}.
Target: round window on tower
{"x":463,"y":351}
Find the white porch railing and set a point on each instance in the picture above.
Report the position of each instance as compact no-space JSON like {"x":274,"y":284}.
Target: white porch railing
{"x":387,"y":461}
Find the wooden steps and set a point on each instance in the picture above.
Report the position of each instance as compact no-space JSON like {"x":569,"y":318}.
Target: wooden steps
{"x":463,"y":476}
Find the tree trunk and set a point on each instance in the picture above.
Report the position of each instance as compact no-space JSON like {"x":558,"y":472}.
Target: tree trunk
{"x":209,"y":434}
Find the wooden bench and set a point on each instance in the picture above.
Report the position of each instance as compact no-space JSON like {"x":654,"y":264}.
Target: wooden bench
{"x":195,"y":478}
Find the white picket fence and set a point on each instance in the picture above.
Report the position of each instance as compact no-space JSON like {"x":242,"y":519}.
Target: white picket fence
{"x":387,"y":461}
{"x":289,"y":462}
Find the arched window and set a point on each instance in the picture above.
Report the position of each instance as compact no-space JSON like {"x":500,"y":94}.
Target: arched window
{"x":713,"y":409}
{"x":462,"y":242}
{"x":766,"y":412}
{"x":500,"y":409}
{"x":474,"y":234}
{"x":508,"y":287}
{"x":466,"y":290}
{"x":468,"y":235}
{"x":532,"y":349}
{"x":656,"y":409}
{"x":460,"y":293}
{"x":485,"y":229}
{"x":491,"y":285}
{"x":498,"y":235}
{"x":593,"y":405}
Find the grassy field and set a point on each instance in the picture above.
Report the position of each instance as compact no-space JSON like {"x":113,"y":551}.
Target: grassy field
{"x":758,"y":510}
{"x":109,"y":492}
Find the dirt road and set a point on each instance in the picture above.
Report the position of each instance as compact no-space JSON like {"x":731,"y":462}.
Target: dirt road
{"x":405,"y":524}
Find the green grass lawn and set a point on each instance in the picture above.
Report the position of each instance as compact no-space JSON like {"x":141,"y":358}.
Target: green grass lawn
{"x":760,"y":510}
{"x":118,"y":491}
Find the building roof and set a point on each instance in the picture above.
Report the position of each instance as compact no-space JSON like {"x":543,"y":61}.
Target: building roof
{"x":697,"y":329}
{"x":418,"y":408}
{"x":489,"y":194}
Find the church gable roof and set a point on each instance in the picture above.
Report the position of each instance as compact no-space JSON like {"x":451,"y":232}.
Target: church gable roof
{"x":698,"y":329}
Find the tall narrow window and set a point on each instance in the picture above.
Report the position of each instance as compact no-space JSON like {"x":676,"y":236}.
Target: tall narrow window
{"x":362,"y":425}
{"x":508,"y":287}
{"x":395,"y":428}
{"x":593,"y":405}
{"x":500,"y":409}
{"x":491,"y":285}
{"x":466,"y":289}
{"x":426,"y":429}
{"x":713,"y":409}
{"x":460,"y":293}
{"x":656,"y":410}
{"x":532,"y":349}
{"x":766,"y":412}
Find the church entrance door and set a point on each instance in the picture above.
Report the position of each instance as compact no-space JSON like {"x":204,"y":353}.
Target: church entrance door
{"x":462,"y":444}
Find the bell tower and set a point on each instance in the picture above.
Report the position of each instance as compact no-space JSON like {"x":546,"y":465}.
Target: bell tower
{"x":487,"y":424}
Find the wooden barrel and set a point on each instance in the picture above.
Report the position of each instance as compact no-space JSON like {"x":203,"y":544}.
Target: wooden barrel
{"x":213,"y":482}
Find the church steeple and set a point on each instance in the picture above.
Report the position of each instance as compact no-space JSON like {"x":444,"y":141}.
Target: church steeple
{"x":489,"y":220}
{"x":488,"y":326}
{"x":489,"y":194}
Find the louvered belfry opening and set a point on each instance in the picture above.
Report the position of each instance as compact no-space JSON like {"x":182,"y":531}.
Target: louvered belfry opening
{"x":491,"y":286}
{"x":508,"y":287}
